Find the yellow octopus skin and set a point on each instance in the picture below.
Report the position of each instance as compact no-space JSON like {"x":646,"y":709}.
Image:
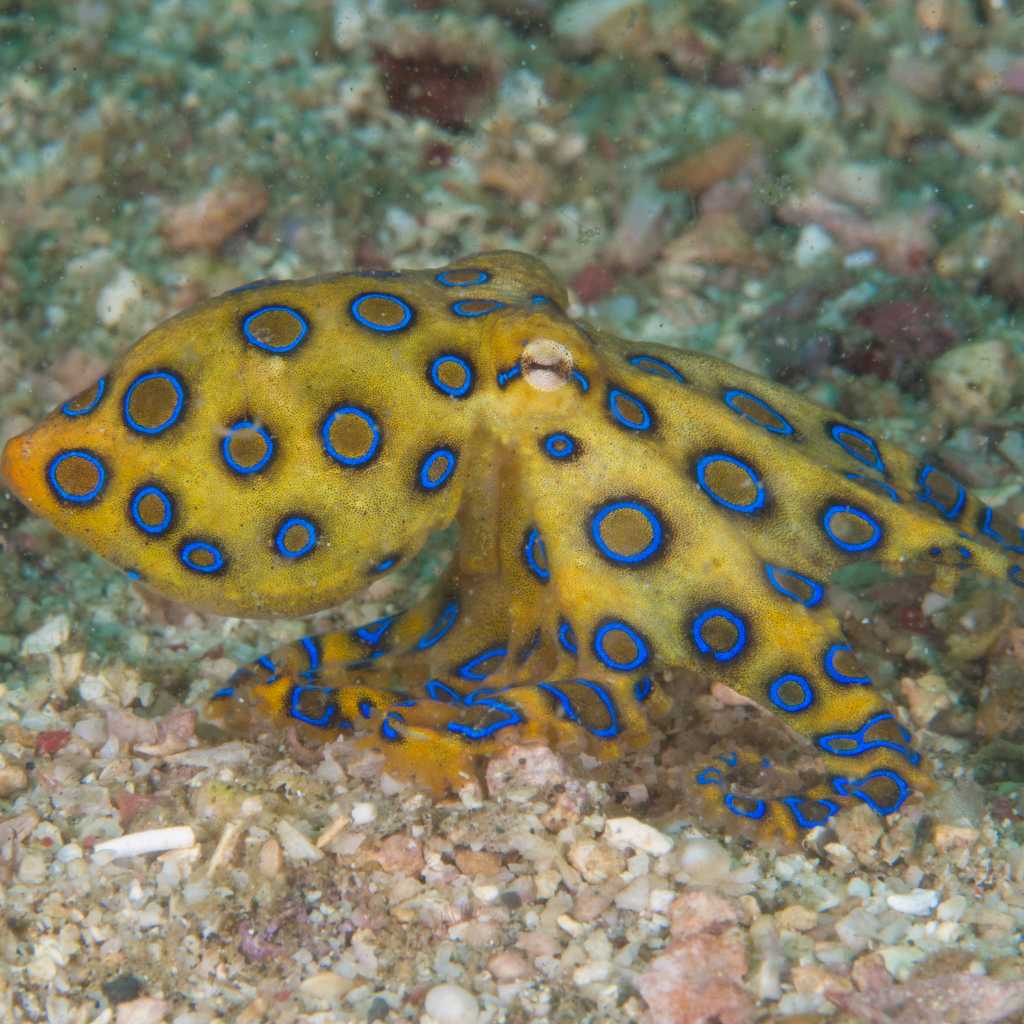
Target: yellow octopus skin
{"x":624,"y":510}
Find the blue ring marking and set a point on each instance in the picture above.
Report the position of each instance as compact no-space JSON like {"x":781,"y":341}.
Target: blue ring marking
{"x":565,"y":702}
{"x":567,"y":637}
{"x":225,"y":447}
{"x":442,"y":692}
{"x":985,"y":526}
{"x":534,"y":553}
{"x":653,"y":545}
{"x":865,"y":545}
{"x":504,"y":377}
{"x":279,"y":350}
{"x":471,"y":670}
{"x":264,"y":662}
{"x":513,"y":716}
{"x":172,"y":417}
{"x":482,"y":277}
{"x":613,"y":728}
{"x":876,"y":485}
{"x":133,"y":574}
{"x":526,"y":652}
{"x":754,"y":505}
{"x":642,"y":689}
{"x":153,"y":529}
{"x":365,"y":708}
{"x":434,"y":373}
{"x":401,"y":325}
{"x":223,"y":693}
{"x":581,"y":379}
{"x":77,"y":499}
{"x":367,"y":418}
{"x":857,"y":788}
{"x":756,"y":813}
{"x":834,"y":674}
{"x":928,"y":497}
{"x":609,"y":731}
{"x":288,"y":524}
{"x":718,"y":612}
{"x":1015,"y":574}
{"x":450,"y":460}
{"x":841,"y":432}
{"x":965,"y":552}
{"x":295,"y":711}
{"x":384,"y":564}
{"x":387,"y":730}
{"x":780,"y":424}
{"x":189,"y":548}
{"x":710,"y":776}
{"x":458,"y":307}
{"x":655,"y":366}
{"x":311,"y":645}
{"x":559,"y":445}
{"x":536,"y":300}
{"x":616,"y":396}
{"x":447,"y":618}
{"x":374,"y":632}
{"x":618,"y":626}
{"x":101,"y":387}
{"x":839,"y":743}
{"x":775,"y":693}
{"x":797,"y":803}
{"x":777,"y":577}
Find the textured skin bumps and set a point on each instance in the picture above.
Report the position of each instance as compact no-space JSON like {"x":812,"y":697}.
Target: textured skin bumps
{"x":624,"y":510}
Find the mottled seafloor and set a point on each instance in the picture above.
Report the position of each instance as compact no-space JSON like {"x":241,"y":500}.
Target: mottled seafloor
{"x":829,"y":193}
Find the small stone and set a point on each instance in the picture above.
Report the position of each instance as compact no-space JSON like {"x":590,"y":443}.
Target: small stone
{"x":451,"y":1004}
{"x":975,"y":381}
{"x":145,"y":1010}
{"x":698,"y":910}
{"x":296,"y":845}
{"x":48,"y":637}
{"x":594,"y":861}
{"x":814,"y":243}
{"x":32,"y":869}
{"x":118,"y":297}
{"x":363,"y":813}
{"x":704,"y":861}
{"x":401,"y":854}
{"x":326,"y":987}
{"x":950,"y":837}
{"x":796,"y":919}
{"x":509,"y":966}
{"x":477,"y":862}
{"x":270,"y":859}
{"x":122,"y":989}
{"x":212,"y":218}
{"x":917,"y":902}
{"x":628,"y":832}
{"x":13,"y":779}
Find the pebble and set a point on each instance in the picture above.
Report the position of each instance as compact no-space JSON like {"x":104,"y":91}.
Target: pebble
{"x":144,"y":1010}
{"x":363,"y":813}
{"x":118,"y":297}
{"x":295,"y":845}
{"x":704,"y":860}
{"x":13,"y":778}
{"x":32,"y":869}
{"x":451,"y":1004}
{"x":326,"y":986}
{"x":629,"y":832}
{"x":48,"y":637}
{"x":917,"y":902}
